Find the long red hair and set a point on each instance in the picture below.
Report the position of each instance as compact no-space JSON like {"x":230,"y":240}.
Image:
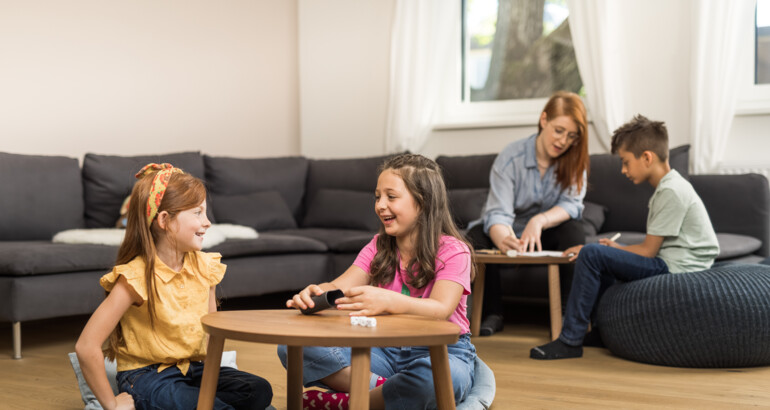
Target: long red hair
{"x":572,"y":164}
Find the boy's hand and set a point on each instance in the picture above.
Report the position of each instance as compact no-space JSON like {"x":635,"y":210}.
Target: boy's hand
{"x":607,"y":242}
{"x":575,"y":251}
{"x":366,"y":300}
{"x":304,"y":299}
{"x":124,"y":401}
{"x":530,"y":238}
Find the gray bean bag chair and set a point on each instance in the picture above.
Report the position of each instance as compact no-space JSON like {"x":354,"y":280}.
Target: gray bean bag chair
{"x":714,"y":318}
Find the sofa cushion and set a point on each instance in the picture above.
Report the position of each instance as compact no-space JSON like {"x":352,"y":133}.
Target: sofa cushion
{"x":593,"y":217}
{"x":269,"y":244}
{"x":263,"y":211}
{"x":737,"y":204}
{"x":466,"y":204}
{"x":355,"y":174}
{"x":733,"y":245}
{"x":338,"y":240}
{"x":40,"y":195}
{"x":626,"y":202}
{"x":238,"y":176}
{"x":22,"y":258}
{"x":108,"y":180}
{"x":470,"y":171}
{"x":342,"y":208}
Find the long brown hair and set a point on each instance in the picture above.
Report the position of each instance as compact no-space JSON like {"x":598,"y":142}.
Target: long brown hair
{"x":571,"y":165}
{"x":184,"y":192}
{"x":425,"y":183}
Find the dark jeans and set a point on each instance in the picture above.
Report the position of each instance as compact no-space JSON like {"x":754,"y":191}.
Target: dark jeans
{"x":569,"y":233}
{"x":170,"y":389}
{"x":597,"y":268}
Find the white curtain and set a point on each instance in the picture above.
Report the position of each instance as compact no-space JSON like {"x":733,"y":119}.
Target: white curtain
{"x":424,"y":37}
{"x":597,"y":39}
{"x":718,"y":49}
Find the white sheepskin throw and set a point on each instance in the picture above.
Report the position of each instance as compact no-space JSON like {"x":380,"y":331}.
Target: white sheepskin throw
{"x":215,"y":235}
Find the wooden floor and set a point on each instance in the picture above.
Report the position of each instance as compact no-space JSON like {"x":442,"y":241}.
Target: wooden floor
{"x":43,"y":379}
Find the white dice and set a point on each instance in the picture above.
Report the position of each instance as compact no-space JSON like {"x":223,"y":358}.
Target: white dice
{"x":363,"y":321}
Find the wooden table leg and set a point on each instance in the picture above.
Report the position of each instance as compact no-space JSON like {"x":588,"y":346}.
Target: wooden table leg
{"x":478,"y":299}
{"x":211,"y":372}
{"x":294,"y":378}
{"x":360,"y":370}
{"x":442,"y":377}
{"x":554,"y":297}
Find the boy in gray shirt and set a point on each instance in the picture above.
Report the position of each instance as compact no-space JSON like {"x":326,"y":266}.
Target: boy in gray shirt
{"x":680,"y":237}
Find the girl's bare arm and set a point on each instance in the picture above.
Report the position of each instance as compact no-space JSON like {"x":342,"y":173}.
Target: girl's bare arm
{"x":96,"y":331}
{"x":370,"y":300}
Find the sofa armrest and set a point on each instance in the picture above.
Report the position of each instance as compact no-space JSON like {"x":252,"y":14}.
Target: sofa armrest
{"x":737,"y":204}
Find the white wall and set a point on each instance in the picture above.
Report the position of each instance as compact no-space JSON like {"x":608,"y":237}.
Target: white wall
{"x":350,"y":122}
{"x":748,"y":146}
{"x":344,"y":55}
{"x":344,"y":93}
{"x":226,"y":79}
{"x":148,"y":77}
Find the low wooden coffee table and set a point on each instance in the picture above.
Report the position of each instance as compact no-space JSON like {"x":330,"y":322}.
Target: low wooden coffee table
{"x":328,"y":328}
{"x":554,"y":291}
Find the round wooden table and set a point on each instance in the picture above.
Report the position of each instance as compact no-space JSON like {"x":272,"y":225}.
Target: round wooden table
{"x":554,"y":291}
{"x":328,"y":328}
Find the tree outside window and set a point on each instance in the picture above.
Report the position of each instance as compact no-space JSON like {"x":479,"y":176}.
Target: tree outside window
{"x":517,"y":49}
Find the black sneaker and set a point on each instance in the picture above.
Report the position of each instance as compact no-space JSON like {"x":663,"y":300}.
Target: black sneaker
{"x":491,"y":325}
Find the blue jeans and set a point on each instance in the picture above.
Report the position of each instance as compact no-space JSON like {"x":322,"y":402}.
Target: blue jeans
{"x":597,"y":268}
{"x":170,"y":389}
{"x":408,"y":370}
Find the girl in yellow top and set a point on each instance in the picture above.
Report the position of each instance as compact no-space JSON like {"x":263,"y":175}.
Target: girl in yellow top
{"x":161,"y":287}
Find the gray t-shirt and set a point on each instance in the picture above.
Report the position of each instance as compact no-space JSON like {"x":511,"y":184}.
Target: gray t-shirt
{"x":679,"y":216}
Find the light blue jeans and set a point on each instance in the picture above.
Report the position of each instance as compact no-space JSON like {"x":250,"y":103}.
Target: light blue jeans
{"x":408,"y":370}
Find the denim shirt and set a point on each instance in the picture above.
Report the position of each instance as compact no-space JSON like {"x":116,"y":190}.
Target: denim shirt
{"x":517,"y":193}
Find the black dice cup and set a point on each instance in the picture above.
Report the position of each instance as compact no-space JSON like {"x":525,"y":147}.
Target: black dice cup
{"x":324,"y":301}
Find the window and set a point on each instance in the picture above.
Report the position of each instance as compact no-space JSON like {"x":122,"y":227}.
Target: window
{"x":755,"y":98}
{"x":517,"y":49}
{"x":514,"y":54}
{"x":762,"y":43}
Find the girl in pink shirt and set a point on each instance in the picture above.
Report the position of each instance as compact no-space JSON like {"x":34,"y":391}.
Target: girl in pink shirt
{"x":420,"y":264}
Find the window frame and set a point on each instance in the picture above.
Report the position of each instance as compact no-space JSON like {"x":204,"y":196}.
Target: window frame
{"x":753,"y":99}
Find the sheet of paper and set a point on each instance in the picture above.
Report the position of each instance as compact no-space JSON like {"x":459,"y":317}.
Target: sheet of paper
{"x":540,"y":253}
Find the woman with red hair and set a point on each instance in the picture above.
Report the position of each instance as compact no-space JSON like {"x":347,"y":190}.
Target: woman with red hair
{"x":536,"y":195}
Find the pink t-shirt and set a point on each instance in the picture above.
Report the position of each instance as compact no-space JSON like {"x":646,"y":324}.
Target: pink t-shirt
{"x":453,"y":262}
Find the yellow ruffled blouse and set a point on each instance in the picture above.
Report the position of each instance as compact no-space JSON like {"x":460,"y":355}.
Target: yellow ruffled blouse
{"x":182,"y":299}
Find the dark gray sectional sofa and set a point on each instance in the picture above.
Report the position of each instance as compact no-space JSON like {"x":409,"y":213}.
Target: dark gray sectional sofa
{"x":313,"y":216}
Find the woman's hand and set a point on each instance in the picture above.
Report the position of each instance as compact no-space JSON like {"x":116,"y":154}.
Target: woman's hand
{"x":530,"y":238}
{"x":124,"y":401}
{"x":573,"y":252}
{"x":304,"y":299}
{"x":367,"y":301}
{"x":503,"y":238}
{"x":511,"y":242}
